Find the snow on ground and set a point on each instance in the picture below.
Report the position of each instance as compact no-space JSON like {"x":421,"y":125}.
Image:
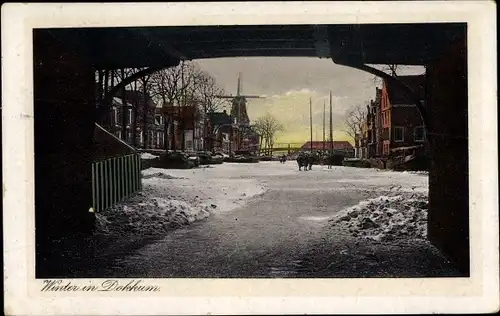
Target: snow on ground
{"x":148,"y":156}
{"x":386,"y":218}
{"x":146,"y":214}
{"x":172,"y":198}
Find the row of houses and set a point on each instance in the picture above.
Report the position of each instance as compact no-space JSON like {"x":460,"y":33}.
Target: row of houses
{"x":393,"y":123}
{"x":337,"y":147}
{"x":140,"y":122}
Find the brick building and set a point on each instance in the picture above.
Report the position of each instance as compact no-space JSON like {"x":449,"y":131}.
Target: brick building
{"x":372,"y":134}
{"x":139,"y":111}
{"x":220,"y":132}
{"x":400,"y":122}
{"x":186,"y":124}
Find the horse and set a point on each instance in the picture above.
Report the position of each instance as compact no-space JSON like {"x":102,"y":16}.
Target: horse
{"x":303,"y":161}
{"x":334,"y":160}
{"x":312,"y":159}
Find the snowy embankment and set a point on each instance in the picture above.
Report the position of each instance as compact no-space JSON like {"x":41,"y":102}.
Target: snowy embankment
{"x":396,"y":209}
{"x":173,"y":198}
{"x":148,"y":156}
{"x":386,"y":218}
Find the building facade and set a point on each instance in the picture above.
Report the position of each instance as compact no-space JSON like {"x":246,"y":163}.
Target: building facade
{"x":222,"y":132}
{"x":139,"y":111}
{"x":394,"y":121}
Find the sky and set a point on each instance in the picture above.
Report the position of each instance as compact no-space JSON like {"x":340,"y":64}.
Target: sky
{"x":289,"y":82}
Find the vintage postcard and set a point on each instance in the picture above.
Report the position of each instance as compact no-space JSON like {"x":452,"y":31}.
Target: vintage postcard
{"x":250,"y":158}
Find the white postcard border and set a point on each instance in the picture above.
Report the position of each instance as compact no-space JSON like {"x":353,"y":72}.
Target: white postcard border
{"x":195,"y":296}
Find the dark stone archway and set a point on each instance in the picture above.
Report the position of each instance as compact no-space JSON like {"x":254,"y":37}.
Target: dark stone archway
{"x":447,"y":105}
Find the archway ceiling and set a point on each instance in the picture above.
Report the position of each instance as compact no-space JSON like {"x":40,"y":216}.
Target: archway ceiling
{"x":406,"y":44}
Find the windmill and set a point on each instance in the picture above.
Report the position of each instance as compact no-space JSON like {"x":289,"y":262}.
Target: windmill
{"x":239,"y":114}
{"x":239,"y":105}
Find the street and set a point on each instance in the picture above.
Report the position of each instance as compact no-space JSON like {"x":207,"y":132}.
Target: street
{"x":282,"y":231}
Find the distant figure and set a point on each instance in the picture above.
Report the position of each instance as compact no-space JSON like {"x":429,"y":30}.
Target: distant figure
{"x":283,"y":159}
{"x":334,"y":160}
{"x":302,"y":161}
{"x":311,"y":159}
{"x":329,"y":161}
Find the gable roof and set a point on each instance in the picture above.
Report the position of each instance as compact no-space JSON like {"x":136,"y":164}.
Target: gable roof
{"x":219,"y":118}
{"x":398,"y":95}
{"x":318,"y":145}
{"x":136,"y":97}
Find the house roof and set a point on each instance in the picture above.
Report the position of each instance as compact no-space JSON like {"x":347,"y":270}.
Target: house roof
{"x":118,"y":101}
{"x":318,"y":145}
{"x":398,"y":95}
{"x":219,"y":118}
{"x":136,"y":97}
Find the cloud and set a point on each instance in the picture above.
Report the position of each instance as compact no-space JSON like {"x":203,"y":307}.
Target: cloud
{"x":289,"y":83}
{"x":292,"y":110}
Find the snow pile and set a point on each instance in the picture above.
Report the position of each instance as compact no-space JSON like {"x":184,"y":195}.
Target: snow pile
{"x":425,"y":173}
{"x":146,"y":215}
{"x":160,"y":175}
{"x":174,"y":199}
{"x":386,"y":218}
{"x":203,"y":186}
{"x":148,"y":156}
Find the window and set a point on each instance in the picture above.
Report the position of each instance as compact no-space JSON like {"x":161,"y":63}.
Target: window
{"x":158,"y":120}
{"x":158,"y":139}
{"x":419,"y":134}
{"x":398,"y":134}
{"x":129,"y":116}
{"x":141,"y":136}
{"x":119,"y":134}
{"x":129,"y":137}
{"x":115,"y":112}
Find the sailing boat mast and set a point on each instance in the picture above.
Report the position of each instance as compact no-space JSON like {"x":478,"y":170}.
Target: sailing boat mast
{"x":324,"y":114}
{"x":331,"y":126}
{"x":311,"y":122}
{"x":238,"y":100}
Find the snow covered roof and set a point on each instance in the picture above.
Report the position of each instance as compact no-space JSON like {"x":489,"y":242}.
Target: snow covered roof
{"x":118,"y":101}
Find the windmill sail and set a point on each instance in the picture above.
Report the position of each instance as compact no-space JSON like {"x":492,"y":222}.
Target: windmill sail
{"x":238,"y":104}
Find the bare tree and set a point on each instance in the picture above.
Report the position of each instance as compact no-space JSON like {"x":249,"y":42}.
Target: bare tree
{"x":171,"y":86}
{"x":207,"y":90}
{"x":268,"y":126}
{"x":391,"y":69}
{"x":146,"y":115}
{"x":354,"y":121}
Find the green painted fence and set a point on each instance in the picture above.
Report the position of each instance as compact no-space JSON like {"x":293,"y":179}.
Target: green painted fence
{"x":115,"y":179}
